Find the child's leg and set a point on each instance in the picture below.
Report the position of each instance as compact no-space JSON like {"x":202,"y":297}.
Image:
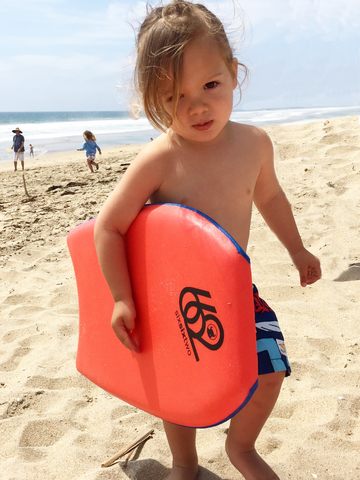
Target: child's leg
{"x":182,"y":442}
{"x":246,"y":426}
{"x":89,"y":162}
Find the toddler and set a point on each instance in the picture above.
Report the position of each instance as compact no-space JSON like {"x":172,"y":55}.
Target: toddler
{"x":185,"y":74}
{"x":90,"y":146}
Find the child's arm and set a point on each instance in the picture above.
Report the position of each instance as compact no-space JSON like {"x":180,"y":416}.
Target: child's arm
{"x":98,"y":148}
{"x":275,"y":208}
{"x":82,"y":148}
{"x":121,"y":208}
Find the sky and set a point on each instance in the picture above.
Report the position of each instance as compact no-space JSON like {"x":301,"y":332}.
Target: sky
{"x":77,"y":55}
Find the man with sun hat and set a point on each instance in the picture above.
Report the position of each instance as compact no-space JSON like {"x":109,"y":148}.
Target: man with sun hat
{"x":18,"y":146}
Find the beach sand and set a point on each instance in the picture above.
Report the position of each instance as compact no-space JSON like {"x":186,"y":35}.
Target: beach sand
{"x":55,"y":424}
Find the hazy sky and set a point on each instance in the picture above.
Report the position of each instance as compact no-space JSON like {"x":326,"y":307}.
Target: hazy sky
{"x":72,"y":54}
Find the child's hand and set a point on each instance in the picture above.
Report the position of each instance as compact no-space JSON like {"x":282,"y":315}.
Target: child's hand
{"x":122,"y":322}
{"x":308,"y":266}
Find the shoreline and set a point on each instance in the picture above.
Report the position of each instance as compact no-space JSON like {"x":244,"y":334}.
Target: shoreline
{"x":68,"y":142}
{"x":74,"y":155}
{"x":68,"y":157}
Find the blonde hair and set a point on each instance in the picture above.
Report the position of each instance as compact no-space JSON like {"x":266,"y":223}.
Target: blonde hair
{"x":89,"y":136}
{"x":160,"y":45}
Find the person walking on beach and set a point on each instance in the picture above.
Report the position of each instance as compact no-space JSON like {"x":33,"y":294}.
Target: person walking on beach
{"x":19,"y":149}
{"x":90,"y":146}
{"x":204,"y":161}
{"x":31,"y":151}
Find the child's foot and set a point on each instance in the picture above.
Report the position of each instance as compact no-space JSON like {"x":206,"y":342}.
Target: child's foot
{"x":97,"y":166}
{"x":182,"y":473}
{"x":252,"y":466}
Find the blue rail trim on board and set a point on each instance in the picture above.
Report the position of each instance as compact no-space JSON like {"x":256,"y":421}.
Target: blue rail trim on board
{"x":238,"y":247}
{"x":247,"y":399}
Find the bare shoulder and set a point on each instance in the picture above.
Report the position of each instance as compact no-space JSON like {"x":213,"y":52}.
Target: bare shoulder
{"x":153,"y":154}
{"x":147,"y":171}
{"x":255,"y":135}
{"x":254,"y":140}
{"x":144,"y":176}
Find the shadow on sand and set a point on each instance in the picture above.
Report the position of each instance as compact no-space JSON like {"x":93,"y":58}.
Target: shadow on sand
{"x":349,"y":275}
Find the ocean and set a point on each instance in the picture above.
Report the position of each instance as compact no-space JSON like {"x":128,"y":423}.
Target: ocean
{"x":54,"y":132}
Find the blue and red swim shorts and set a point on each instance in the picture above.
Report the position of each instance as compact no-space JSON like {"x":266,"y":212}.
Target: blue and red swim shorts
{"x":271,"y":351}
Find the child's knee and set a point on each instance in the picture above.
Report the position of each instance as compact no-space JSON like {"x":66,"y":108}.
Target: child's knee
{"x":271,"y":380}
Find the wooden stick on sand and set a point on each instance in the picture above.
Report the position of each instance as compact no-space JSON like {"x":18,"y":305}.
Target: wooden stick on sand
{"x":129,"y":448}
{"x":25,"y":185}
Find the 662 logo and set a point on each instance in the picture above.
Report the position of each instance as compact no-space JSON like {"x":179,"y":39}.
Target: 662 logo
{"x":200,"y":321}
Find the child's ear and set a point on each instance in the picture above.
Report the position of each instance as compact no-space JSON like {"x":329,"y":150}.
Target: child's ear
{"x":234,"y":72}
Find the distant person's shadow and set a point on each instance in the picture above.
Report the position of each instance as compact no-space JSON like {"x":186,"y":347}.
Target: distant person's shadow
{"x":349,"y":275}
{"x":151,"y":469}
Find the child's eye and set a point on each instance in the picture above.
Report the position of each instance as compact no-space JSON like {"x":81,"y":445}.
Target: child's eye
{"x":211,"y":85}
{"x":170,"y":99}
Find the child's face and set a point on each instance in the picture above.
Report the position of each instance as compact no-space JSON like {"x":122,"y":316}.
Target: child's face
{"x":206,"y":92}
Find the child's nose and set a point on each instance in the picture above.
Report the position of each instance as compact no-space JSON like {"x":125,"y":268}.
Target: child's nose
{"x":197,"y":105}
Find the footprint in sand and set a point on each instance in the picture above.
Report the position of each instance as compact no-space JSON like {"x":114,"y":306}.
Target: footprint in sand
{"x":19,"y":333}
{"x":42,"y":433}
{"x":15,"y":359}
{"x":24,"y":403}
{"x":61,"y":383}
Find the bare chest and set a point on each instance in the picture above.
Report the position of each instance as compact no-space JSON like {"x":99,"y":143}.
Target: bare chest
{"x":219,"y":187}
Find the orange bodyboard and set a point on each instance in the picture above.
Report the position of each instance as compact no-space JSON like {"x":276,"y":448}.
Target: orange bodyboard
{"x":195,"y":325}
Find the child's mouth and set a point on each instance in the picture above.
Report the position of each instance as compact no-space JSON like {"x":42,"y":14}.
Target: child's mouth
{"x":203,"y":126}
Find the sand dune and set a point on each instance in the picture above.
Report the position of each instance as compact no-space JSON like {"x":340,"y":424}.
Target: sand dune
{"x":55,"y":424}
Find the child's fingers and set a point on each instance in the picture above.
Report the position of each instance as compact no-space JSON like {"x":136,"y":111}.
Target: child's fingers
{"x":124,"y":335}
{"x":308,"y":266}
{"x":303,"y":278}
{"x":310,"y":276}
{"x":314,"y":275}
{"x":123,"y":322}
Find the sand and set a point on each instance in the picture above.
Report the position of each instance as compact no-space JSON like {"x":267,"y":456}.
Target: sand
{"x":55,"y":424}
